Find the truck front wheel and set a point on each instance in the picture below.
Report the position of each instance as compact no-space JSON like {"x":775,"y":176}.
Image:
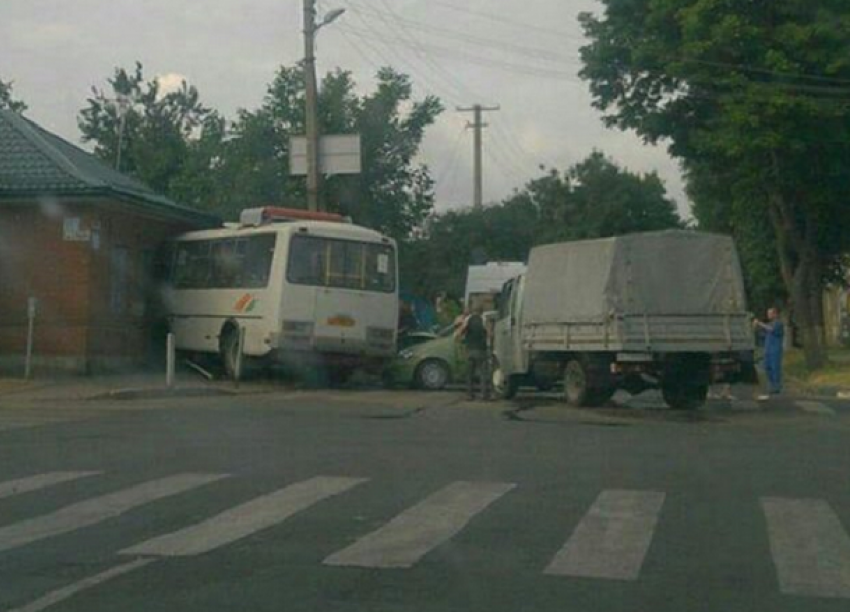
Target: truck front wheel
{"x":505,"y":386}
{"x":681,"y":396}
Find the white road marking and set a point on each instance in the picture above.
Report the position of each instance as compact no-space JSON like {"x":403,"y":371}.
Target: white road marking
{"x":612,"y":539}
{"x":243,"y":520}
{"x":810,"y":548}
{"x":416,"y":531}
{"x":59,"y":595}
{"x":815,"y":407}
{"x":39,"y":481}
{"x":95,"y":510}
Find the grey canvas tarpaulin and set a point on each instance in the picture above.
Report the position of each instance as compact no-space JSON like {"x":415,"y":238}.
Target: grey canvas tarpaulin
{"x":668,"y":273}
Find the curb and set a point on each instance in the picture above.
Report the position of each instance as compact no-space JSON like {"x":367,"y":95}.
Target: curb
{"x":165,"y":393}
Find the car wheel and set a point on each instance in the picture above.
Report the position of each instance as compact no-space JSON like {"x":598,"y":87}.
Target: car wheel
{"x":432,"y":375}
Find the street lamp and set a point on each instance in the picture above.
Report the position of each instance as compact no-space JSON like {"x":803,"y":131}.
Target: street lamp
{"x":311,"y":101}
{"x":331,"y":17}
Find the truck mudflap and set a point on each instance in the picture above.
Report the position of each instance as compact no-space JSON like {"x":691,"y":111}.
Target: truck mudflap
{"x":739,"y":369}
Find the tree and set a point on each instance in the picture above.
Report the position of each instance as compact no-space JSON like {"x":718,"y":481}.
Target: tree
{"x":7,"y":101}
{"x":597,"y":198}
{"x":155,"y":129}
{"x":593,"y":199}
{"x":755,"y":93}
{"x":714,"y":210}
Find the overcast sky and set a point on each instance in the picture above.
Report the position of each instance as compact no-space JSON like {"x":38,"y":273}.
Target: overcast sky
{"x":522,"y":56}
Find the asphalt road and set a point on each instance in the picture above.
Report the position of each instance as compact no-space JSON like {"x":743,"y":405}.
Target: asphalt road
{"x":378,"y":501}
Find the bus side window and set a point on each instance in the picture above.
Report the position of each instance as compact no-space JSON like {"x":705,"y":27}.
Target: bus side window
{"x":192,"y":265}
{"x":226,"y":264}
{"x":257,"y":261}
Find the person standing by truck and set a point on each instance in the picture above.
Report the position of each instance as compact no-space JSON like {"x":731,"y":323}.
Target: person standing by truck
{"x":774,"y":337}
{"x":474,"y":335}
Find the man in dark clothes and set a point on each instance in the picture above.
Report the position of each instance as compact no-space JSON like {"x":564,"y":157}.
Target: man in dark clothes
{"x":475,"y":337}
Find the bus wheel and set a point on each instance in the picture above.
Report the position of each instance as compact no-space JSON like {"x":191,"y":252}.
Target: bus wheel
{"x":230,"y":351}
{"x":432,"y":375}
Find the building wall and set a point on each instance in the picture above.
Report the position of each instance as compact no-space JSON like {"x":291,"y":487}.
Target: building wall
{"x":90,"y":265}
{"x":124,"y":304}
{"x":35,"y":261}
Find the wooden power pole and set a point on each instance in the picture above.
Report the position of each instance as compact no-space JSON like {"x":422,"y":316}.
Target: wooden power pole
{"x":477,"y":126}
{"x":311,"y":100}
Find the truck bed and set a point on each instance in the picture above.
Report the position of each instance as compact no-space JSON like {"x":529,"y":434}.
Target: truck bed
{"x":643,"y":333}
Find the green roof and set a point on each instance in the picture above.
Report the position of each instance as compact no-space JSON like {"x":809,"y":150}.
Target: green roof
{"x":34,"y":162}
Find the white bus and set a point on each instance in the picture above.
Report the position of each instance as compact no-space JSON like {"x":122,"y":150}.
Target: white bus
{"x":309,"y":289}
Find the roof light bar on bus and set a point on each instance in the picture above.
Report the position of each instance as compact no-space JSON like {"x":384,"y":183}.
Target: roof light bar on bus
{"x":279,"y":214}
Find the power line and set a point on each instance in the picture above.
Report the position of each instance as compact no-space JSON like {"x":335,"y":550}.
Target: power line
{"x":452,"y":158}
{"x":456,"y":90}
{"x":523,"y":69}
{"x":490,"y":43}
{"x":504,"y":20}
{"x":755,"y":69}
{"x":373,"y":36}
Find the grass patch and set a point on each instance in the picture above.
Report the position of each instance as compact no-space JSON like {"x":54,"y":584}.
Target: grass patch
{"x":836,"y":373}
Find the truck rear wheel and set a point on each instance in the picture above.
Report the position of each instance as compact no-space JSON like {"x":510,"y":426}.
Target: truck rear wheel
{"x":578,"y":390}
{"x":684,"y":396}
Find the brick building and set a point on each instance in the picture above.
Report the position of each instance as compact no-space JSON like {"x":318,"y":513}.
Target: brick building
{"x":82,"y":239}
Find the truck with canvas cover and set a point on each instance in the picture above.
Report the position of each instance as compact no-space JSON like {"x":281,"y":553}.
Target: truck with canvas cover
{"x":654,"y":310}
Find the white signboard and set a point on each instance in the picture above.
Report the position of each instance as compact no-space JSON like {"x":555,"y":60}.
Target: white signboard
{"x":73,"y":230}
{"x":338,"y":154}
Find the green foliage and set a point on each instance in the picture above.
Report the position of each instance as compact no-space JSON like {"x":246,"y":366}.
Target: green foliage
{"x":714,"y":210}
{"x":155,"y":129}
{"x":593,"y":199}
{"x":179,"y":147}
{"x":8,"y":102}
{"x":755,"y":94}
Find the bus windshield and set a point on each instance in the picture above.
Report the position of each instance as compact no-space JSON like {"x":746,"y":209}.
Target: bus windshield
{"x":329,"y":262}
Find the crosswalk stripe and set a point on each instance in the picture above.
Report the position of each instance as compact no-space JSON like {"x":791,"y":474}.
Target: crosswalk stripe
{"x":95,"y":510}
{"x":243,"y":520}
{"x":612,"y":539}
{"x":39,"y":481}
{"x":66,"y":592}
{"x":416,"y":531}
{"x":815,"y":407}
{"x":810,"y":548}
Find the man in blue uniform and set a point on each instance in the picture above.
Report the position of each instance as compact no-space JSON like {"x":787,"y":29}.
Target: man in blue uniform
{"x":774,"y":337}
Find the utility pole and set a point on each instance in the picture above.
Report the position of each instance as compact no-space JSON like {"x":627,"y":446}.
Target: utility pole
{"x":312,"y":120}
{"x":478,"y":172}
